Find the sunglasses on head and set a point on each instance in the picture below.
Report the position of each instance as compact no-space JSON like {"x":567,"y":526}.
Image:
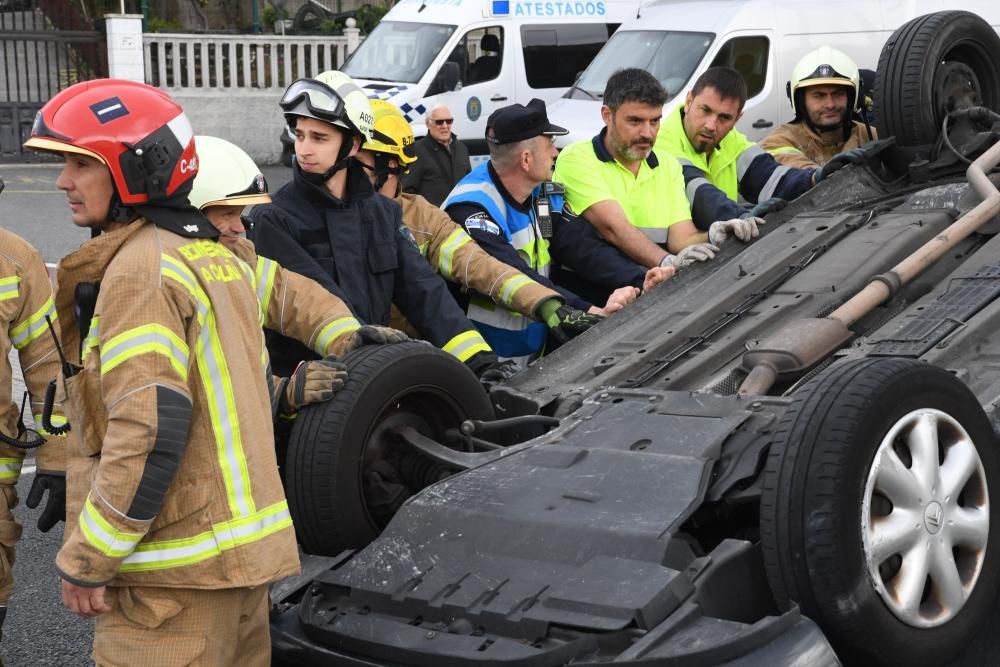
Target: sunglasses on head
{"x":443,"y":121}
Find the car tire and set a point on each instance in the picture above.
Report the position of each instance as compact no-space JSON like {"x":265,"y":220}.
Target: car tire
{"x":334,"y":445}
{"x":921,"y":72}
{"x":832,"y":500}
{"x":308,"y":20}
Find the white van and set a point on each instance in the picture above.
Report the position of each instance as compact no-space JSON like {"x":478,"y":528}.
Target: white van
{"x":677,"y":40}
{"x":477,"y":55}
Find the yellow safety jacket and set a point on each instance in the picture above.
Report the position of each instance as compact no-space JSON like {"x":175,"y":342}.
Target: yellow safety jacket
{"x":25,"y":302}
{"x":173,"y":479}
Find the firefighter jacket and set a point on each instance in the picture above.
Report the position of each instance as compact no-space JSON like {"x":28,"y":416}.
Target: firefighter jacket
{"x":737,"y":166}
{"x":298,"y":307}
{"x":173,"y":481}
{"x":25,"y":302}
{"x":798,"y":145}
{"x":359,"y":250}
{"x":456,"y":257}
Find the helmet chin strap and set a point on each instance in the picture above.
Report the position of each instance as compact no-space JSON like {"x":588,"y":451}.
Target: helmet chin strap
{"x":343,"y":159}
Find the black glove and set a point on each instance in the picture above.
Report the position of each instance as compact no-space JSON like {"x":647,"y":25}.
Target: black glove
{"x":859,"y":155}
{"x":374,"y":335}
{"x":568,"y":322}
{"x":490,"y":370}
{"x":55,"y":508}
{"x":763,"y":208}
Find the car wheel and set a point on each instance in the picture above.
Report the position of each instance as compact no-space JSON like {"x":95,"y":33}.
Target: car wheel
{"x":308,"y":19}
{"x":875,"y":511}
{"x":931,"y":65}
{"x":346,"y":472}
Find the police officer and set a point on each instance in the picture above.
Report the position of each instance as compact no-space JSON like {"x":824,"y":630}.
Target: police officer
{"x":503,"y":205}
{"x":329,"y":224}
{"x":176,"y":519}
{"x":825,"y":95}
{"x":446,"y":245}
{"x":25,"y":303}
{"x":719,"y":163}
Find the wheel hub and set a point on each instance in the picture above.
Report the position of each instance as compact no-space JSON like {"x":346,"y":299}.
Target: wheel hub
{"x":933,"y":517}
{"x":925,"y":518}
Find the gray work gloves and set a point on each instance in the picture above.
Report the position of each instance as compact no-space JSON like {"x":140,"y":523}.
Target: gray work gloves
{"x":55,"y":506}
{"x":490,"y":370}
{"x":745,"y":229}
{"x":312,"y":382}
{"x":699,"y":252}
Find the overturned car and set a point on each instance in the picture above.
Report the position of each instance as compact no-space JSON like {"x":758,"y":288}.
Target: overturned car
{"x":788,"y":456}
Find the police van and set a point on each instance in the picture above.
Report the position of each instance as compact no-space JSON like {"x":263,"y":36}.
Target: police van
{"x":475,"y":56}
{"x":677,"y":40}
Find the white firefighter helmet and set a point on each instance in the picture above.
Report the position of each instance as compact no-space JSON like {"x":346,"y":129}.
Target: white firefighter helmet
{"x":227,"y":176}
{"x":824,"y":66}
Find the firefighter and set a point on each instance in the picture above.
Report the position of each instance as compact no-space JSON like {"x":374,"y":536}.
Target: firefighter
{"x":176,"y":519}
{"x":329,"y":225}
{"x":25,"y":303}
{"x":825,"y":94}
{"x":228,"y":180}
{"x":447,"y":246}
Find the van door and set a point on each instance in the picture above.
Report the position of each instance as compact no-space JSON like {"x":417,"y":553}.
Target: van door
{"x":752,"y":55}
{"x":484,"y":60}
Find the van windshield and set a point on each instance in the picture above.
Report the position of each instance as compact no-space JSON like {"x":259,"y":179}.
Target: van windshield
{"x":669,"y":56}
{"x":398,"y":51}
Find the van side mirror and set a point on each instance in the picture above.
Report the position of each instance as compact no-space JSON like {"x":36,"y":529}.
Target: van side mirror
{"x":445,"y":80}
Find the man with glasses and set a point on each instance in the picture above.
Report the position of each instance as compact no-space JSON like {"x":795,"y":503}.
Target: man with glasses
{"x":442,"y":160}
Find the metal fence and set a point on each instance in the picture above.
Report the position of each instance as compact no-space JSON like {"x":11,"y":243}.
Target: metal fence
{"x":175,"y":61}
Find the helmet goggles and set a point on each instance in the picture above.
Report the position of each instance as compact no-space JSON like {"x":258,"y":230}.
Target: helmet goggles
{"x":321,"y":100}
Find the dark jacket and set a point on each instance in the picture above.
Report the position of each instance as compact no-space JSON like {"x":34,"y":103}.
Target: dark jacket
{"x":358,"y":249}
{"x":585,"y":267}
{"x":437,"y":169}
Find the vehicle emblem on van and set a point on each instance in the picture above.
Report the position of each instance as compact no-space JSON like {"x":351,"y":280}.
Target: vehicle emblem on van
{"x":473,"y":108}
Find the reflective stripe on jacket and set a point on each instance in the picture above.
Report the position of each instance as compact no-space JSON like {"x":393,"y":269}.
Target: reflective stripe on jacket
{"x":173,"y":479}
{"x":737,"y":166}
{"x":360,"y":250}
{"x":25,"y":302}
{"x":456,"y":257}
{"x":296,"y":306}
{"x":510,"y":334}
{"x":797,"y":145}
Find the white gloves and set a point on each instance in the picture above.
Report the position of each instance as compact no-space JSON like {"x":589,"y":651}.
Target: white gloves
{"x":745,"y":229}
{"x":699,"y":252}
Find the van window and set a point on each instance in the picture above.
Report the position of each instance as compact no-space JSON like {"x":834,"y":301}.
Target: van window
{"x":398,"y":51}
{"x":479,"y":55}
{"x":748,"y":56}
{"x":669,"y":56}
{"x":554,"y":55}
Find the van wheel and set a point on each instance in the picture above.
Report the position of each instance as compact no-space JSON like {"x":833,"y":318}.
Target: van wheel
{"x":345,"y":472}
{"x":875,"y":511}
{"x":930,"y":66}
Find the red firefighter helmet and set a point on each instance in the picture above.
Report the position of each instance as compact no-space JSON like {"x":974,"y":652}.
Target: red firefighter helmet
{"x":139,"y":132}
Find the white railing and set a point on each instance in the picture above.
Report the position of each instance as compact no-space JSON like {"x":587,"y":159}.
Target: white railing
{"x":186,"y":61}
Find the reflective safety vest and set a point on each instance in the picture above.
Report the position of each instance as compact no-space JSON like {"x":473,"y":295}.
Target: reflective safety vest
{"x":172,"y":477}
{"x":510,"y":334}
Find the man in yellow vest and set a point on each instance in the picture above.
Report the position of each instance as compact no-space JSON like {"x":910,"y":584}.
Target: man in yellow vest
{"x":719,"y":163}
